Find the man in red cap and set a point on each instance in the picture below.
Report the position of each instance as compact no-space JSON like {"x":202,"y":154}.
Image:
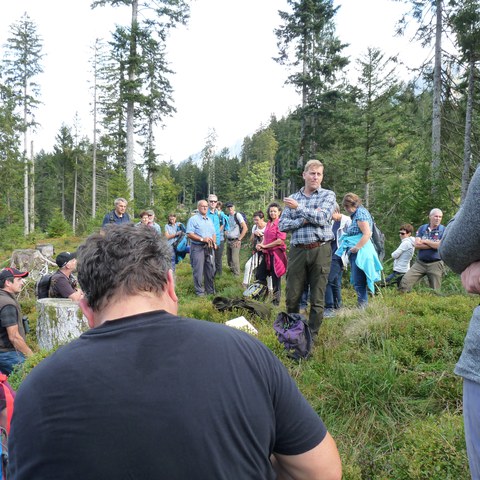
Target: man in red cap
{"x":13,"y":347}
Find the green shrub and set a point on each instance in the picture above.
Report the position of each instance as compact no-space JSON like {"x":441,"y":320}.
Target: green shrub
{"x":431,"y":449}
{"x":58,"y":226}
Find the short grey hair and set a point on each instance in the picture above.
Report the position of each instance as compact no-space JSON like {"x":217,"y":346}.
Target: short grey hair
{"x":433,"y":211}
{"x":120,"y":199}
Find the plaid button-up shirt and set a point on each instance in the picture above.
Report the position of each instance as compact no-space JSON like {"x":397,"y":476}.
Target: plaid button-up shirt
{"x":316,"y":210}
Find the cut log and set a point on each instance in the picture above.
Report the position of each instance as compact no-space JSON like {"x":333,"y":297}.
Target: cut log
{"x":59,"y":321}
{"x":27,"y":259}
{"x":46,"y":249}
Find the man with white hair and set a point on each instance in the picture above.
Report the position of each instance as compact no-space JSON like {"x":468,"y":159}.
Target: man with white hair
{"x":118,"y":215}
{"x":428,"y":263}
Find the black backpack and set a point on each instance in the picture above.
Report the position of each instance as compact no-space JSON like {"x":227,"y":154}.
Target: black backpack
{"x":244,"y":219}
{"x":43,"y":286}
{"x":378,"y":240}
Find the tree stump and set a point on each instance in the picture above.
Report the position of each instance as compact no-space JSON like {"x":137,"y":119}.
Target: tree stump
{"x":59,"y":321}
{"x":27,"y":259}
{"x":46,"y":249}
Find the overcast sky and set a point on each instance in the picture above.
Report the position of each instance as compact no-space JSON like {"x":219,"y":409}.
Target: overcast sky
{"x":225,"y":76}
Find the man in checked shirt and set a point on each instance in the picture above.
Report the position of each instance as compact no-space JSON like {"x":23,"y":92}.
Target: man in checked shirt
{"x":308,"y":215}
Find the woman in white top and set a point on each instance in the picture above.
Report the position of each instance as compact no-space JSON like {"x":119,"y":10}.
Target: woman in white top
{"x":258,"y":228}
{"x":402,"y":255}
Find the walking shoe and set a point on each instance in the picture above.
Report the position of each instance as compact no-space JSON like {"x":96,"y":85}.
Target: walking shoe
{"x":328,"y":313}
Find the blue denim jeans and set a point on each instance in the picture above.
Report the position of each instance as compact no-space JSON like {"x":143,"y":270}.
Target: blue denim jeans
{"x":471,"y":406}
{"x":333,"y":291}
{"x":359,"y":280}
{"x":8,"y":360}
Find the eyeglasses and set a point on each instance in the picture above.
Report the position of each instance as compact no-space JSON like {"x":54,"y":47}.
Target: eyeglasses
{"x":402,"y":233}
{"x":213,"y":201}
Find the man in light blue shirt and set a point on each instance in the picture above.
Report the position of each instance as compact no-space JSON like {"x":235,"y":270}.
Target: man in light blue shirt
{"x":203,"y":242}
{"x":212,"y":214}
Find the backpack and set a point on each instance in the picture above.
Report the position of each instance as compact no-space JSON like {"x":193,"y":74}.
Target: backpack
{"x":259,"y":309}
{"x":244,"y":219}
{"x":294,"y":334}
{"x":43,"y":286}
{"x":256,"y":291}
{"x":378,"y":240}
{"x":8,"y":397}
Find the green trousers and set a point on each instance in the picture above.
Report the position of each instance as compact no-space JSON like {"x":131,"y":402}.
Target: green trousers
{"x":311,"y":267}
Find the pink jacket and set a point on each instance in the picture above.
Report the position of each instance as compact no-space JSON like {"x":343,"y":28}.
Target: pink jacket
{"x":278,"y":253}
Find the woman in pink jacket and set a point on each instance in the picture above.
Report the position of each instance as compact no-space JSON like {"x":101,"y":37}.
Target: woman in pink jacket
{"x":273,"y":248}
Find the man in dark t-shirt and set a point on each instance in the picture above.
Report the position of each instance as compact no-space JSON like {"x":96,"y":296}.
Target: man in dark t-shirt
{"x":148,"y":394}
{"x":63,"y":284}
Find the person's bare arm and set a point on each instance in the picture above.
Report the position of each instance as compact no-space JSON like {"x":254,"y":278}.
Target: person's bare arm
{"x":430,"y":244}
{"x":17,"y":341}
{"x":320,"y":463}
{"x":425,"y":244}
{"x":471,"y":278}
{"x":366,"y":234}
{"x":76,"y":296}
{"x":244,"y":231}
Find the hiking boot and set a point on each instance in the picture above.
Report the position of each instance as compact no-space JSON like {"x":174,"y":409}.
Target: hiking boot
{"x":328,"y":313}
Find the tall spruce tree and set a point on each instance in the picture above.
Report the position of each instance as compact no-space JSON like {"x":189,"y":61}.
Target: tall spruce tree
{"x":308,"y":46}
{"x":431,"y":16}
{"x":158,"y":17}
{"x":466,"y":25}
{"x":21,"y":64}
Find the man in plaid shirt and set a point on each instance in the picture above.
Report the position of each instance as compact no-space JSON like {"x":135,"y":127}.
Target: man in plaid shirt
{"x":308,"y":215}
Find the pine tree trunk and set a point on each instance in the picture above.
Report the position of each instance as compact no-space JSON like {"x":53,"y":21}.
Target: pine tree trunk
{"x":131,"y":102}
{"x":94,"y":156}
{"x":437,"y":92}
{"x":32,"y":190}
{"x":467,"y":145}
{"x":75,"y":186}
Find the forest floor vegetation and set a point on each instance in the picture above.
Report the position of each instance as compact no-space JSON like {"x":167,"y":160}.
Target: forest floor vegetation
{"x":381,"y":378}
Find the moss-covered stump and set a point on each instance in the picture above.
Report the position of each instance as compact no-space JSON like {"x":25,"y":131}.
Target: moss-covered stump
{"x":59,"y":321}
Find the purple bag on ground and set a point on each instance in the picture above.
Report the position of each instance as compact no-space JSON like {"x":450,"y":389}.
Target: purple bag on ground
{"x":294,"y":334}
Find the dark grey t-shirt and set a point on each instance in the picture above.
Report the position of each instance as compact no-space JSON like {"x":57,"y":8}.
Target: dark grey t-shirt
{"x":159,"y":396}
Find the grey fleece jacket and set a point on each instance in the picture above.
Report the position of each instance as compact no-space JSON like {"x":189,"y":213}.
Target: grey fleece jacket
{"x":459,"y":248}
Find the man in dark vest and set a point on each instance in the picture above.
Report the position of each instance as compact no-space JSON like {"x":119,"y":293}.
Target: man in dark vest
{"x":13,"y":347}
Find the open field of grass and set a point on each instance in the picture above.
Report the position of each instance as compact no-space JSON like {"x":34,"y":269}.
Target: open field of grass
{"x":381,"y":378}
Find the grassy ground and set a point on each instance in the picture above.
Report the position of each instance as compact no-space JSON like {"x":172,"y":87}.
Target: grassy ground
{"x":381,"y":378}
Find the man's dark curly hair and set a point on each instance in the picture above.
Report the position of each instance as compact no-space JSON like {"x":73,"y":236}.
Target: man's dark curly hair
{"x":122,"y":260}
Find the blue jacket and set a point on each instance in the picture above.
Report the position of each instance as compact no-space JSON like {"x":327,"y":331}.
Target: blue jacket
{"x":367,"y":258}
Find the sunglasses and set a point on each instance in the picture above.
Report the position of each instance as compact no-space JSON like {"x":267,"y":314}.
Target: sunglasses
{"x":213,"y":201}
{"x":402,"y":233}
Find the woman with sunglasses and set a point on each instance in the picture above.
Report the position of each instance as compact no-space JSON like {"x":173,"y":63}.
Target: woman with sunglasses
{"x":402,"y":255}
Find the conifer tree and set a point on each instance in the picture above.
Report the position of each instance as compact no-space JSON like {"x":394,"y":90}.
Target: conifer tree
{"x":22,"y":63}
{"x":308,"y":46}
